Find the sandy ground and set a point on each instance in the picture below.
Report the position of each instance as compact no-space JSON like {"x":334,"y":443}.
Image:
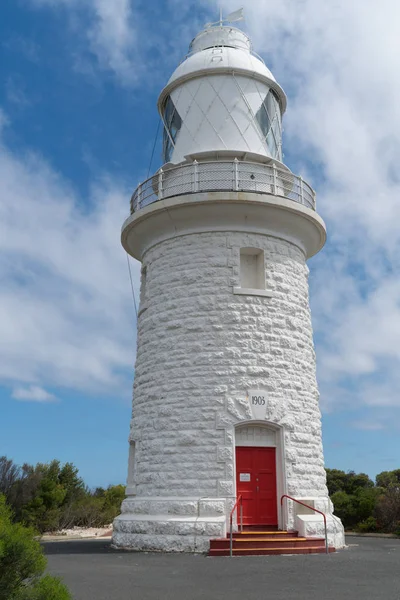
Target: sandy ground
{"x":80,"y":533}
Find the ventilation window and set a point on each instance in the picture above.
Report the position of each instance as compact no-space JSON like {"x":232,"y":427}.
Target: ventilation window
{"x":143,"y":286}
{"x":269,"y":119}
{"x":172,"y":125}
{"x":252,"y":273}
{"x":131,"y":484}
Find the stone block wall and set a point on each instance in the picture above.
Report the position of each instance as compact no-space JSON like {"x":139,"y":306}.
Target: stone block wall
{"x":200,"y":348}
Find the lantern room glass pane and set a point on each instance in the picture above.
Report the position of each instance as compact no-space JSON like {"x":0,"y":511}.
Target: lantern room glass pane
{"x":269,"y":120}
{"x":172,"y":125}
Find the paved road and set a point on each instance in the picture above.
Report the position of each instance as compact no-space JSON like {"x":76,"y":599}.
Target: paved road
{"x":369,"y":569}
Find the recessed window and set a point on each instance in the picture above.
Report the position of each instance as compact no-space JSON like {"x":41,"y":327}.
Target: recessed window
{"x":173,"y":123}
{"x":131,"y":480}
{"x":143,"y":286}
{"x":252,"y":273}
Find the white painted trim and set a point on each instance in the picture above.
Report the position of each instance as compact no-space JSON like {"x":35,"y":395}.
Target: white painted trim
{"x":205,"y":212}
{"x":280,"y":464}
{"x":261,"y":442}
{"x":252,"y":292}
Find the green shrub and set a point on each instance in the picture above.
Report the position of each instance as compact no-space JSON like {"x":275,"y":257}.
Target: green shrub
{"x":369,"y":525}
{"x":22,"y":563}
{"x":388,"y":510}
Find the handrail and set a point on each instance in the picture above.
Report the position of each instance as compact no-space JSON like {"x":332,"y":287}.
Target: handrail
{"x":315,"y":510}
{"x":238,"y":501}
{"x":222,"y":175}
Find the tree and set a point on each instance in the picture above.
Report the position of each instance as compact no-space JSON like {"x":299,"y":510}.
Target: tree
{"x":388,"y":479}
{"x":9,"y":475}
{"x":22,"y":563}
{"x":73,"y":484}
{"x":388,"y":510}
{"x":44,"y":509}
{"x":339,"y":481}
{"x":355,"y":497}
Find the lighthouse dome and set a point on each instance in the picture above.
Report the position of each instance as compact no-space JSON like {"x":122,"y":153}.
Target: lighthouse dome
{"x":222,"y":98}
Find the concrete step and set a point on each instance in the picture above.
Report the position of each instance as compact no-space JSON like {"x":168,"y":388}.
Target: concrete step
{"x":266,"y":534}
{"x":251,"y":551}
{"x":263,"y":543}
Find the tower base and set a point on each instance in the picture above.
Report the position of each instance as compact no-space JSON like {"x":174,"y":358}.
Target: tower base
{"x":188,"y":525}
{"x":169,"y":524}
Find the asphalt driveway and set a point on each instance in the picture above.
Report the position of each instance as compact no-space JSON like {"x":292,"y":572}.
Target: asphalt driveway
{"x":368,"y":569}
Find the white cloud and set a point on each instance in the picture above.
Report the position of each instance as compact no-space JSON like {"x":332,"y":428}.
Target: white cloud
{"x":366,"y":425}
{"x":338,"y":62}
{"x":110,"y":30}
{"x":65,"y":296}
{"x":134,"y":42}
{"x":33,"y":393}
{"x":15,"y":93}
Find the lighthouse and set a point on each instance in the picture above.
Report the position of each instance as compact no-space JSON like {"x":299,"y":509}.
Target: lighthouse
{"x":226,"y":424}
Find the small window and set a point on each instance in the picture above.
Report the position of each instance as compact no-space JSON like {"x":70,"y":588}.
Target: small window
{"x":173,"y":123}
{"x":252,"y":274}
{"x":252,"y":270}
{"x":131,"y":468}
{"x":143,"y":286}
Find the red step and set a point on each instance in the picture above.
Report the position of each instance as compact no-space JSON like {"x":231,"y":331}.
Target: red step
{"x":269,"y":551}
{"x":221,"y":544}
{"x":267,"y":542}
{"x":265,"y":534}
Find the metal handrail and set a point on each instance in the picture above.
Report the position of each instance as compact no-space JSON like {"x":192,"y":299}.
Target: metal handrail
{"x":223,"y":175}
{"x":252,"y":52}
{"x":315,"y":510}
{"x":239,"y":501}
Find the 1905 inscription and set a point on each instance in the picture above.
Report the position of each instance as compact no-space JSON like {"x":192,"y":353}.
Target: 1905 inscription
{"x":258,"y":400}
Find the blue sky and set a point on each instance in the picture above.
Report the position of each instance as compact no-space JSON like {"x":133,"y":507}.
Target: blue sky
{"x":79,"y":85}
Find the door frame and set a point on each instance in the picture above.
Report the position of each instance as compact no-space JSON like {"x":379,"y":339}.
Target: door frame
{"x":278,"y":444}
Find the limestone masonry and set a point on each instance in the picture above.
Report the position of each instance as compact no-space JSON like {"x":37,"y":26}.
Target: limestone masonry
{"x":206,"y":340}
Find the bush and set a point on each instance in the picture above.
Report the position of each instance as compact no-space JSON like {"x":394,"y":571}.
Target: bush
{"x":22,"y":563}
{"x":369,"y":525}
{"x":52,"y":496}
{"x":388,"y":510}
{"x":339,"y":481}
{"x":388,"y":479}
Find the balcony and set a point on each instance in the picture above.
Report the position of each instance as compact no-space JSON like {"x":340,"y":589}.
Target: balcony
{"x":220,"y":176}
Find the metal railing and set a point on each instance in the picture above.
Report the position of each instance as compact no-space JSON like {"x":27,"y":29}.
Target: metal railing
{"x":219,"y":175}
{"x":252,"y":52}
{"x":315,"y":510}
{"x":239,"y":502}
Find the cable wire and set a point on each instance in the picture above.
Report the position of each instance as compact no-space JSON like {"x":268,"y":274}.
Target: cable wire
{"x":154,"y":147}
{"x":130,"y":277}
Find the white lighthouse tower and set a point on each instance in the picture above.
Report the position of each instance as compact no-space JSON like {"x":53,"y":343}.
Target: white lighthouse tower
{"x":225,"y":403}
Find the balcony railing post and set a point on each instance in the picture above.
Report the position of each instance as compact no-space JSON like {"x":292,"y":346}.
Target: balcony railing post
{"x":160,"y":184}
{"x":274,"y":179}
{"x":195,"y":176}
{"x":245,"y":176}
{"x":236,"y":174}
{"x":301,"y":189}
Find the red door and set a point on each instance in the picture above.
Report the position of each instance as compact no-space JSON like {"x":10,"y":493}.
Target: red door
{"x":256,"y":483}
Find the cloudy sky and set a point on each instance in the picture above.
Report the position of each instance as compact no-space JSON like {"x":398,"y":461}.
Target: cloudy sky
{"x":78,"y":121}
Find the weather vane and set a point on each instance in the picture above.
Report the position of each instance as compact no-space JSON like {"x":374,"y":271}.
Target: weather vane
{"x":234,"y":16}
